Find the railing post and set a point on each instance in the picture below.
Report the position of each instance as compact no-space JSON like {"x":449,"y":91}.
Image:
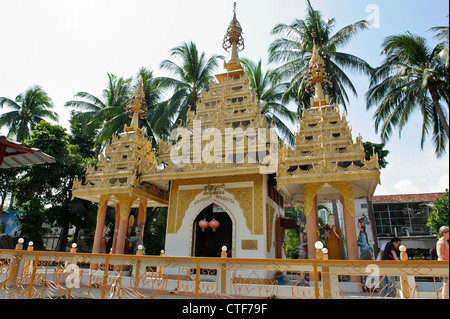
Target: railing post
{"x":319,"y":256}
{"x":197,"y":280}
{"x":160,"y":269}
{"x":16,"y":262}
{"x":223,"y":276}
{"x":137,"y":271}
{"x":326,"y":285}
{"x":27,"y":263}
{"x":33,"y":276}
{"x":105,"y":277}
{"x":404,"y":282}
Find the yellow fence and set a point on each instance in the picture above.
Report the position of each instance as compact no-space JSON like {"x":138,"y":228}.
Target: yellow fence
{"x":42,"y":274}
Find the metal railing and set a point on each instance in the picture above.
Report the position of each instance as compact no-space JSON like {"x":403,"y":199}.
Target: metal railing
{"x":42,"y":274}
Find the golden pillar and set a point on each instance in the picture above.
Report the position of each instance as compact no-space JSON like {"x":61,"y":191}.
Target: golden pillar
{"x":125,"y":202}
{"x":312,"y":222}
{"x":100,"y":226}
{"x":142,"y":214}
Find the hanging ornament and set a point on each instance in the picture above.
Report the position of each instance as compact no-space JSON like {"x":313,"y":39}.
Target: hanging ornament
{"x":214,"y":224}
{"x":203,"y":224}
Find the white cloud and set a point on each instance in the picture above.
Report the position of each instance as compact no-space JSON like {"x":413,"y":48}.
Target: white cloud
{"x":405,"y":186}
{"x":442,"y":185}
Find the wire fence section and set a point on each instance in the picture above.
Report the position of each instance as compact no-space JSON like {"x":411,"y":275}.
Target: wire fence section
{"x":42,"y":274}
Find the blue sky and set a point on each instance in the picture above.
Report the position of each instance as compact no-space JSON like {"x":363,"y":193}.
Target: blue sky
{"x":69,"y":46}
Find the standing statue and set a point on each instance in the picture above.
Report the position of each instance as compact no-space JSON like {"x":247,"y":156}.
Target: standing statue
{"x":303,"y":248}
{"x":363,"y":241}
{"x":333,"y":238}
{"x":302,"y":277}
{"x":137,"y":239}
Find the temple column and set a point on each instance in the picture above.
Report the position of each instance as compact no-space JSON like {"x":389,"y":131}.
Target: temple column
{"x":311,"y":229}
{"x":312,"y":219}
{"x":142,"y":215}
{"x":125,"y":206}
{"x":350,"y":231}
{"x":116,"y":228}
{"x":100,"y":226}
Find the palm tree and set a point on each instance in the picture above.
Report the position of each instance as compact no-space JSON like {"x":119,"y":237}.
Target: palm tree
{"x":110,"y":115}
{"x":157,"y":122}
{"x":192,"y":75}
{"x":110,"y":110}
{"x":268,"y":95}
{"x":295,"y":46}
{"x":29,"y":109}
{"x":443,"y":34}
{"x":412,"y":77}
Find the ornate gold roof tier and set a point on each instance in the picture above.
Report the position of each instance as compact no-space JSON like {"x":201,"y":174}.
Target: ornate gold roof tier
{"x":230,"y":105}
{"x":120,"y":167}
{"x":324,"y":151}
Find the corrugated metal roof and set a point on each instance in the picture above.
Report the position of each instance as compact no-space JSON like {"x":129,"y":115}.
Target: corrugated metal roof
{"x":17,"y":154}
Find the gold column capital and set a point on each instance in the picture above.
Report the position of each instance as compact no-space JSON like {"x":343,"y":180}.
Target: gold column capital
{"x":309,"y":191}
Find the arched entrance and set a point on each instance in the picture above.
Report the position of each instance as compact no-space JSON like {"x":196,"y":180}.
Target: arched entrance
{"x":209,"y":243}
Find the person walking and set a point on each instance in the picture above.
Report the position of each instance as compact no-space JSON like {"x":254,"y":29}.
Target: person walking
{"x":442,"y":253}
{"x":390,"y":253}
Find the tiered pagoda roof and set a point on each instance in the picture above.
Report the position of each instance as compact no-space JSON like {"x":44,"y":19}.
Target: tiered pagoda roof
{"x":120,"y":167}
{"x":324,"y":151}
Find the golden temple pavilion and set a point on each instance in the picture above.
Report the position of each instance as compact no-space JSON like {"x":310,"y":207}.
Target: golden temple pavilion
{"x":225,"y":179}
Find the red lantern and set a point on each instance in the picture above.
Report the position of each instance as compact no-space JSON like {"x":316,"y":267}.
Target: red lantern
{"x":203,"y":224}
{"x":214,"y":224}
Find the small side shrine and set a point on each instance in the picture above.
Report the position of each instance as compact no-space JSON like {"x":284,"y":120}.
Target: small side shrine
{"x":223,"y":179}
{"x":116,"y":181}
{"x":325,"y":163}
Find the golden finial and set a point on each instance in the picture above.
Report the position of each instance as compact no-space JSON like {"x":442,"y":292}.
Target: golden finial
{"x":316,"y":70}
{"x":137,"y":107}
{"x":233,"y":34}
{"x":137,"y":103}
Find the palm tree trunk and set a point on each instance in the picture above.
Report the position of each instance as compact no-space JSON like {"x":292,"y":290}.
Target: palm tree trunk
{"x":437,"y":106}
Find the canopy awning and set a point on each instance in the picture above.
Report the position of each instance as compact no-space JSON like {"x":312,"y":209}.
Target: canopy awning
{"x":14,"y":154}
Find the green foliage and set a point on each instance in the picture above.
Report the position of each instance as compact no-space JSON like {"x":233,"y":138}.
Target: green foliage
{"x":292,"y":241}
{"x":439,"y":214}
{"x":192,"y":74}
{"x":294,"y":47}
{"x":412,"y":78}
{"x":28,"y":109}
{"x":155,"y":230}
{"x":52,"y":183}
{"x":379,"y":148}
{"x":31,"y":221}
{"x":269,"y":95}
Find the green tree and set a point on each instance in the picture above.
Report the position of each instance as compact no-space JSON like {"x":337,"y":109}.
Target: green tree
{"x":439,"y":214}
{"x":269,"y":94}
{"x":158,"y":120}
{"x":31,"y":220}
{"x":52,"y":183}
{"x":192,"y":74}
{"x":29,"y":109}
{"x":371,"y":148}
{"x":107,"y":116}
{"x":155,"y":230}
{"x":413,"y":77}
{"x":295,"y":46}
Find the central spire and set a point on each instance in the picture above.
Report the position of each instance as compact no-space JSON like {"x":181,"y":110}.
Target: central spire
{"x":137,"y":106}
{"x":233,"y":39}
{"x":317,"y":77}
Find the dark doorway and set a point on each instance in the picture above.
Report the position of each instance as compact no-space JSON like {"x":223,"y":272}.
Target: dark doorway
{"x":209,"y":243}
